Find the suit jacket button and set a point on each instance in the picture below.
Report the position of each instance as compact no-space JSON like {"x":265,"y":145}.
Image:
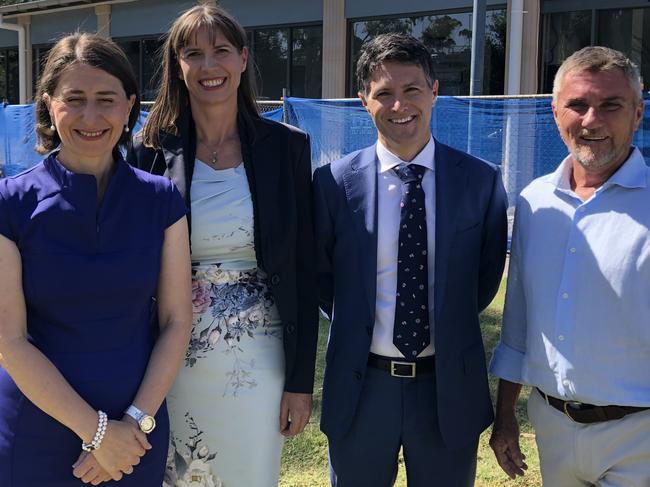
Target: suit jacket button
{"x":358,"y":375}
{"x":275,"y":279}
{"x":290,"y":327}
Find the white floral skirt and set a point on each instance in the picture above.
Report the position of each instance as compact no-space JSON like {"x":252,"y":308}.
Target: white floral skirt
{"x":225,"y":404}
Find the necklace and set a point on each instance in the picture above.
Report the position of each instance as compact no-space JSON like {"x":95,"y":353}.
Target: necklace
{"x":214,"y":154}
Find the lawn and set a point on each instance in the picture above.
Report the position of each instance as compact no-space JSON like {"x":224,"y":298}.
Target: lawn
{"x":304,"y":459}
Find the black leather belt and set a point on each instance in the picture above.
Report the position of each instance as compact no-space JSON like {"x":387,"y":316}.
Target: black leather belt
{"x":589,"y":413}
{"x":402,"y":368}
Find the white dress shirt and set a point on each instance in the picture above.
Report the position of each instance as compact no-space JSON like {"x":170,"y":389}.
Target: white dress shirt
{"x":576,"y":322}
{"x":389,"y":195}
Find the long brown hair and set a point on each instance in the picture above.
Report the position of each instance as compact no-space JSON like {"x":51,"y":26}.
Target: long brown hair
{"x":173,"y":97}
{"x":91,"y":50}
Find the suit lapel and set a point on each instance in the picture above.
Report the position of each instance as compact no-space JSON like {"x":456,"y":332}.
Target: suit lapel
{"x":360,"y":181}
{"x":450,"y":181}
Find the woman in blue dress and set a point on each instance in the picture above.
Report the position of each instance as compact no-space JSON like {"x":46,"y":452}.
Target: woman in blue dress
{"x":90,"y":249}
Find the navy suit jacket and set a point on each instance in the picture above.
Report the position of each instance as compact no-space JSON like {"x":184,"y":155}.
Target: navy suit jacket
{"x":471,"y":233}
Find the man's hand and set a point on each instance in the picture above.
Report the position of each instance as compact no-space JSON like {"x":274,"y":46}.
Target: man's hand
{"x":88,"y":470}
{"x":295,"y":410}
{"x":505,"y":444}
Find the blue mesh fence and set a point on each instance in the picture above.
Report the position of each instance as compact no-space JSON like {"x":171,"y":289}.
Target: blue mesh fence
{"x":517,"y":133}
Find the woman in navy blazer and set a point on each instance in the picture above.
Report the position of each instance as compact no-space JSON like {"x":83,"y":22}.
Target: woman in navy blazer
{"x":247,"y":182}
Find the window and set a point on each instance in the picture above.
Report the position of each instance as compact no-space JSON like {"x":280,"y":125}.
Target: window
{"x":9,"y":91}
{"x":628,"y":31}
{"x":288,"y":57}
{"x":449,"y":37}
{"x":562,"y":34}
{"x":624,"y":29}
{"x":144,"y":56}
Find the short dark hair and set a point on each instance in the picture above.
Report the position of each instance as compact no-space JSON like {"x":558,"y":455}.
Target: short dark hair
{"x":393,"y":47}
{"x":90,"y":50}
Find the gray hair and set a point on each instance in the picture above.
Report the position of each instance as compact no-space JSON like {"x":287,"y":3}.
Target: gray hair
{"x":596,"y":59}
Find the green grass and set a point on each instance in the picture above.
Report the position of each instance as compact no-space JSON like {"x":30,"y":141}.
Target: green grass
{"x":304,"y":459}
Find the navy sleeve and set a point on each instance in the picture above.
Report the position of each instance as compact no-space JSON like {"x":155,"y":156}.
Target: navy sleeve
{"x":6,"y":214}
{"x":176,"y":208}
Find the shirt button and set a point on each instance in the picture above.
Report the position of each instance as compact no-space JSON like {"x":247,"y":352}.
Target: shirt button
{"x":561,"y":338}
{"x":358,"y":375}
{"x":572,"y":250}
{"x":565,"y":295}
{"x":581,"y":209}
{"x":565,"y":382}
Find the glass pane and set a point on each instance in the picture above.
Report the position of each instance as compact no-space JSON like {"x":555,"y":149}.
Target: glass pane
{"x":272,"y":57}
{"x":151,"y":65}
{"x":495,"y":52}
{"x":449,"y":37}
{"x":38,"y":59}
{"x":366,"y":30}
{"x":562,"y":35}
{"x":3,"y":76}
{"x":132,"y":51}
{"x":12,"y":76}
{"x":628,"y":31}
{"x":306,"y":62}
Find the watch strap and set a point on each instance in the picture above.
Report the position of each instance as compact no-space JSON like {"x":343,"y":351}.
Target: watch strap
{"x":134,"y":412}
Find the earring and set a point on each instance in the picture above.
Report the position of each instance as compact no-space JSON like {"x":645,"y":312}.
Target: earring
{"x":52,"y":128}
{"x":126,"y":129}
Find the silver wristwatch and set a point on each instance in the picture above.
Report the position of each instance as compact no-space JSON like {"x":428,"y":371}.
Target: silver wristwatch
{"x":145,"y":422}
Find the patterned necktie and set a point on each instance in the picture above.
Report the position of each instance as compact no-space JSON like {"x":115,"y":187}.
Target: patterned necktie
{"x":411,"y":329}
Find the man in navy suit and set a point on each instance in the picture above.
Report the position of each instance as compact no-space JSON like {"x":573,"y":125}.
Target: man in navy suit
{"x":411,"y":241}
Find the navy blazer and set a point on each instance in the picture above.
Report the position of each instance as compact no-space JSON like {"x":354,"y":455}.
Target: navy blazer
{"x":470,"y":249}
{"x":277,"y":160}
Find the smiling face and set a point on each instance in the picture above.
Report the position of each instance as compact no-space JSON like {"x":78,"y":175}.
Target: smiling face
{"x":597,"y":114}
{"x":89,"y":110}
{"x":211,"y":68}
{"x":400,"y":101}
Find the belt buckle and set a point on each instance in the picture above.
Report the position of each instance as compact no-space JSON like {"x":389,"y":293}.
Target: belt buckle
{"x":394,"y":373}
{"x":566,"y":409}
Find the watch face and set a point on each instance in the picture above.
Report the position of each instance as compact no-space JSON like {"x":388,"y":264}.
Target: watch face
{"x":147,"y":424}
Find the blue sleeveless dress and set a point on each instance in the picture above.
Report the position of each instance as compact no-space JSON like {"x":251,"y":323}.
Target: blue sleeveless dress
{"x":89,"y":279}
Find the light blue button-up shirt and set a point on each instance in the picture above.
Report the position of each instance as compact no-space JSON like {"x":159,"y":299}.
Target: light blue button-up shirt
{"x":576,"y":322}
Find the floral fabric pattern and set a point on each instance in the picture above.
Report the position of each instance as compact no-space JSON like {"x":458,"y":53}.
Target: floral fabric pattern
{"x":190,"y":464}
{"x":230,"y":307}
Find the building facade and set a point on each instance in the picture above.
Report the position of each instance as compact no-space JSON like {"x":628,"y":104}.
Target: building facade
{"x":309,"y":47}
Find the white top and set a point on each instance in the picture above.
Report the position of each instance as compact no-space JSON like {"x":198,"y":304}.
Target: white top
{"x":389,"y":195}
{"x":222,"y":217}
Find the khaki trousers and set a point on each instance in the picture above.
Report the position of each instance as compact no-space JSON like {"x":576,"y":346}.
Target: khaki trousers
{"x":608,"y":454}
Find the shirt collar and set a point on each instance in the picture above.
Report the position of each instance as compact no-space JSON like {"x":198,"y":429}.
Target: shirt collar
{"x":388,"y":160}
{"x":631,"y":174}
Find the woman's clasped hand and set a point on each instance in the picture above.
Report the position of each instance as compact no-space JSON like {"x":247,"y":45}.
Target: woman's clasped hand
{"x":121,"y":449}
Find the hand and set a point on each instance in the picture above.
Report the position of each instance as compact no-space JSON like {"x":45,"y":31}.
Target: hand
{"x":89,"y":470}
{"x":295,"y":410}
{"x":122,"y":447}
{"x":505,"y":444}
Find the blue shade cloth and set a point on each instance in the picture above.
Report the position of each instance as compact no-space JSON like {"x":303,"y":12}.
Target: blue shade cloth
{"x":575,"y":322}
{"x":275,"y":115}
{"x":517,"y":133}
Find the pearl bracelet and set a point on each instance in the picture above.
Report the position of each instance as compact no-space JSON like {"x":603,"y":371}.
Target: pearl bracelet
{"x":99,"y":434}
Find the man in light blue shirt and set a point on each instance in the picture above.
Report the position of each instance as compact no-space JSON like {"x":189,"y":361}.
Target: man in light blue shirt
{"x":576,"y":324}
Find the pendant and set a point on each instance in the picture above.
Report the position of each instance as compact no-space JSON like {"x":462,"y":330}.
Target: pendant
{"x":215,"y":159}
